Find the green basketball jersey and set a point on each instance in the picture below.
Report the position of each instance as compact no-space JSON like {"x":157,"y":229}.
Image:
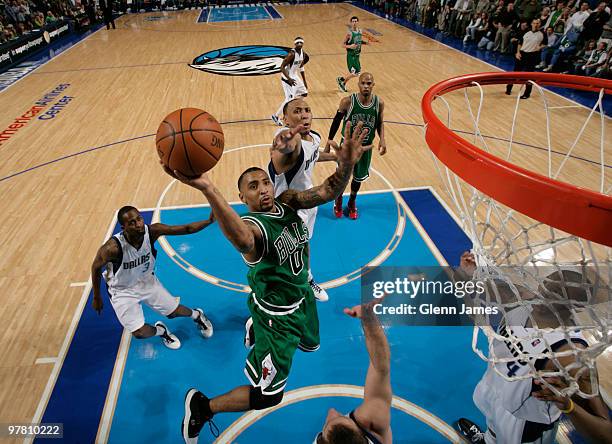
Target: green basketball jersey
{"x":355,"y":40}
{"x":279,"y":278}
{"x":366,"y":114}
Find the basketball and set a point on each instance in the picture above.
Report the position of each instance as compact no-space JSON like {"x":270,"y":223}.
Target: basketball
{"x":190,"y":141}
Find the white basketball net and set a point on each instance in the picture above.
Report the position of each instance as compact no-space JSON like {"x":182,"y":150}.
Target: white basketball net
{"x":515,"y":254}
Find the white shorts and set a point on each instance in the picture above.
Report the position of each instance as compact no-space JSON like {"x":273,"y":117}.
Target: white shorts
{"x":309,"y":216}
{"x":126,"y":302}
{"x":297,"y":90}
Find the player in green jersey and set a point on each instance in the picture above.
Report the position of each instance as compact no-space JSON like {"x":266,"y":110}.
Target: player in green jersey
{"x":367,"y":108}
{"x":273,"y":241}
{"x":352,"y":43}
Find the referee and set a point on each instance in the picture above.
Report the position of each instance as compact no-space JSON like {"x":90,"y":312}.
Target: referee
{"x":528,"y":54}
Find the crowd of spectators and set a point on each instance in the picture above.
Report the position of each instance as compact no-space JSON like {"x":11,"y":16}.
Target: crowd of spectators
{"x":569,"y":36}
{"x":19,"y":17}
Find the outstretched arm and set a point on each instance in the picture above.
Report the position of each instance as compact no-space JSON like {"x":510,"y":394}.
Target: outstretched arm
{"x":287,"y":141}
{"x":342,"y":110}
{"x":242,"y":235}
{"x":375,"y":411}
{"x":106,"y":253}
{"x":328,"y":157}
{"x":158,"y":230}
{"x":589,"y":416}
{"x":348,"y":154}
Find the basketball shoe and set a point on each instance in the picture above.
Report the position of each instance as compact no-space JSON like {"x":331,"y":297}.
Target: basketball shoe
{"x":319,"y":293}
{"x":168,"y":339}
{"x":352,"y":211}
{"x":203,"y":324}
{"x":197,"y":413}
{"x":338,"y":207}
{"x":276,"y":120}
{"x":470,"y":431}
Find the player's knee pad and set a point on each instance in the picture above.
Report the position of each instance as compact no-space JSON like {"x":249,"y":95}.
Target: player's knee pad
{"x":259,"y":401}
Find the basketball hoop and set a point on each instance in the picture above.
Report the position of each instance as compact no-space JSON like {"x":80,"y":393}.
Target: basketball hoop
{"x":522,"y":217}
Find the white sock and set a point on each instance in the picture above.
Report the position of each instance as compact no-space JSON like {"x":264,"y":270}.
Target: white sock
{"x":194,"y":314}
{"x":310,"y":278}
{"x":159,"y":330}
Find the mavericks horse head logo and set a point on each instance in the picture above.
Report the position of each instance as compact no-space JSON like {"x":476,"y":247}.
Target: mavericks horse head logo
{"x":251,"y":60}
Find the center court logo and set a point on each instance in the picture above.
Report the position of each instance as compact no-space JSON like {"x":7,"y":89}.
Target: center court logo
{"x":250,"y":60}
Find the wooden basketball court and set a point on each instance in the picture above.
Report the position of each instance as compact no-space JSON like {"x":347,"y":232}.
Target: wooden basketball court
{"x":62,"y":178}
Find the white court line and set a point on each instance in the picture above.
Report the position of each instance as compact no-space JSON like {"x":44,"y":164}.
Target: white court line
{"x":563,"y":107}
{"x":235,"y":429}
{"x":42,"y":405}
{"x":79,"y":284}
{"x":268,"y":12}
{"x":578,"y":105}
{"x":112,"y":395}
{"x":46,"y":360}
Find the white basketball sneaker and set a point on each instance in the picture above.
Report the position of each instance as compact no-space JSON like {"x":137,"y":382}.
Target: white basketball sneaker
{"x":320,"y":294}
{"x":203,"y":324}
{"x":169,"y":340}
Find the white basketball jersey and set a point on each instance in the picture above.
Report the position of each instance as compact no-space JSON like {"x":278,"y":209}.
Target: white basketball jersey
{"x":135,"y":266}
{"x":509,"y":404}
{"x":294,"y":69}
{"x":300,"y":176}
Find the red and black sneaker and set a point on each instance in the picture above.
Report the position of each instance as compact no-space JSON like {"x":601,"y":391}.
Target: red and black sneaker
{"x":352,"y":211}
{"x":338,"y":207}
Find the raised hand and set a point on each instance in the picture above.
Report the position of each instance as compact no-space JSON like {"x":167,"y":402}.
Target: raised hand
{"x":287,"y":139}
{"x":199,"y":183}
{"x":352,"y":147}
{"x":354,"y":312}
{"x":467,"y":263}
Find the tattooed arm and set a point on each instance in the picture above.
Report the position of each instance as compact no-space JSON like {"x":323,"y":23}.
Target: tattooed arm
{"x":348,"y":154}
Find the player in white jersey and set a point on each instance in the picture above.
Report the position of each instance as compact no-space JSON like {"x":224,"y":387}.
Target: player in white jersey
{"x":370,"y":422}
{"x":293,"y":78}
{"x":292,"y":166}
{"x":520,"y":411}
{"x":129,"y":258}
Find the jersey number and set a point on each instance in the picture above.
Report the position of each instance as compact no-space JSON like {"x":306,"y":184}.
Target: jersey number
{"x":296,"y":260}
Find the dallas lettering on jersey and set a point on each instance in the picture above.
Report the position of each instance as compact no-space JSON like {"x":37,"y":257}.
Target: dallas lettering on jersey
{"x":37,"y":108}
{"x":137,"y":262}
{"x":286,"y":244}
{"x":312,"y":159}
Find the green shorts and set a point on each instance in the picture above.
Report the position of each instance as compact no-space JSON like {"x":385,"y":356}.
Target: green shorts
{"x":361,"y":170}
{"x":353,"y":64}
{"x":277,"y":336}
